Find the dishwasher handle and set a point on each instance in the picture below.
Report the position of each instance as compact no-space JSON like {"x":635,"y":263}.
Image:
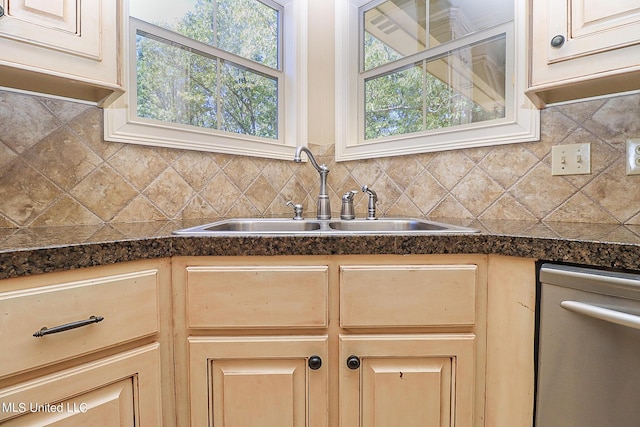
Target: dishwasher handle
{"x":608,"y":315}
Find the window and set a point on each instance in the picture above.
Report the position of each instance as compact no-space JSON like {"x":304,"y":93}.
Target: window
{"x":214,"y":75}
{"x":427,"y":75}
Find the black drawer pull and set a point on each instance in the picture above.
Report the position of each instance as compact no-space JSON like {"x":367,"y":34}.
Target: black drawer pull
{"x":80,"y":323}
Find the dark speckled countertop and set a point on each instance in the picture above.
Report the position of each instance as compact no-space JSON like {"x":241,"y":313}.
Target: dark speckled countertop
{"x":44,"y":249}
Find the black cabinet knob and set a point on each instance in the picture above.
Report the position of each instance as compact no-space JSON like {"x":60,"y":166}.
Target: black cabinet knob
{"x":1,"y":11}
{"x":353,"y":362}
{"x":557,"y":41}
{"x":315,"y":362}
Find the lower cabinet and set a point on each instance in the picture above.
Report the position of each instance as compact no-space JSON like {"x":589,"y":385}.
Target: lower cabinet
{"x":282,"y":341}
{"x":344,"y":341}
{"x":121,"y":390}
{"x":266,"y":381}
{"x":87,"y":347}
{"x":413,"y":380}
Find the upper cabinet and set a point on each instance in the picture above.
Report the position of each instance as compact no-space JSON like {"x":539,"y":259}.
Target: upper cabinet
{"x":583,"y":48}
{"x":65,"y":48}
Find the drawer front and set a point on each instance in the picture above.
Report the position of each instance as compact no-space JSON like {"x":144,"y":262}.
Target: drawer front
{"x":257,"y":296}
{"x":407,"y":295}
{"x":128,"y":304}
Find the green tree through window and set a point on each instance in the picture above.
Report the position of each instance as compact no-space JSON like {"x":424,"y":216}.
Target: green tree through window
{"x":225,"y":76}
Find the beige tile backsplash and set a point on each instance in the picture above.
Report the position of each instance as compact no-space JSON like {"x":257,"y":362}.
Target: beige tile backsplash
{"x":55,"y":169}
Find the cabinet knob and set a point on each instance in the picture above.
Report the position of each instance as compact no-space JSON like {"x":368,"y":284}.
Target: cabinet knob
{"x":353,"y":362}
{"x":1,"y":11}
{"x":315,"y":362}
{"x":557,"y":41}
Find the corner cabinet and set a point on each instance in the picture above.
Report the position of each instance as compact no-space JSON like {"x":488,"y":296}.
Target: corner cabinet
{"x":86,"y":347}
{"x":62,"y":47}
{"x":333,"y":340}
{"x":583,"y":48}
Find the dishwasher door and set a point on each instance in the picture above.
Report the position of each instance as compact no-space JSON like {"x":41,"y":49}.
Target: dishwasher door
{"x":588,"y":349}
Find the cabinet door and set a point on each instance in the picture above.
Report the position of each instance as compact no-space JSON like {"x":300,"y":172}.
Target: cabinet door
{"x":591,"y":26}
{"x":59,"y":24}
{"x":583,"y":48}
{"x":408,"y":380}
{"x":266,"y":381}
{"x":122,"y":390}
{"x":68,"y":48}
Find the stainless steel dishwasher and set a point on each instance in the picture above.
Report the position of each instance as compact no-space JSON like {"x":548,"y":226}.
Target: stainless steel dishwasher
{"x":588,"y":348}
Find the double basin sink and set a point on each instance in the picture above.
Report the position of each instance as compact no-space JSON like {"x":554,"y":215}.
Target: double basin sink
{"x":284,"y":226}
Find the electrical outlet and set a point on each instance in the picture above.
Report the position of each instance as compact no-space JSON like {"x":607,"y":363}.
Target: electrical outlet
{"x":571,"y":159}
{"x":633,"y":156}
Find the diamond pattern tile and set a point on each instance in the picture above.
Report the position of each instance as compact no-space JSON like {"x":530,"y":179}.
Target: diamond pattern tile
{"x":57,"y":169}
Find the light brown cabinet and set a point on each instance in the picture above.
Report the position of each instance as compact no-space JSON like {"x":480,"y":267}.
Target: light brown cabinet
{"x":408,"y":380}
{"x":583,"y":48}
{"x":251,"y":341}
{"x":85,"y":347}
{"x":442,"y":340}
{"x":62,"y":47}
{"x":269,"y":380}
{"x":396,"y":339}
{"x":420,"y":360}
{"x":121,"y":390}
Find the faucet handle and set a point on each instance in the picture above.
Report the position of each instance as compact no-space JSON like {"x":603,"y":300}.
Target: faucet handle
{"x":347,"y":205}
{"x":349,"y":195}
{"x":297,"y":210}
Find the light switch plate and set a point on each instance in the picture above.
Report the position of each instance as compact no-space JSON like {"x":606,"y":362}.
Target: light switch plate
{"x":571,"y":159}
{"x":633,"y":156}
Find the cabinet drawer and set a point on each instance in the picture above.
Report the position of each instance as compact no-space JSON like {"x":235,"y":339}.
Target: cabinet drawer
{"x":127,"y":302}
{"x":257,"y":296}
{"x":407,"y":295}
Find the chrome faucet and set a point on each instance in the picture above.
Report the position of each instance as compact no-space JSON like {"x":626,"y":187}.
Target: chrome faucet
{"x":373,"y":199}
{"x":324,"y":207}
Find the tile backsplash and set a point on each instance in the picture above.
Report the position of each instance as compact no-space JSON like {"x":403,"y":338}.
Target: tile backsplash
{"x":56,"y":169}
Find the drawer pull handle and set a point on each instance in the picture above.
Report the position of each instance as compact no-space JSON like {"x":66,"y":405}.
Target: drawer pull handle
{"x":73,"y":325}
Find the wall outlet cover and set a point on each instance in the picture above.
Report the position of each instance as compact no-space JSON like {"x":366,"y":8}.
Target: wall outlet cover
{"x":633,"y":156}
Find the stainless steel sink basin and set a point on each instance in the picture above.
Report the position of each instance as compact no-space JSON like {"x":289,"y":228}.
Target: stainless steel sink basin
{"x":391,"y":225}
{"x":284,"y":226}
{"x":253,"y":226}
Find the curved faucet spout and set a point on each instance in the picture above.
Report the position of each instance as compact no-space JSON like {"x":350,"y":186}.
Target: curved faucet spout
{"x":324,"y":207}
{"x":298,"y":158}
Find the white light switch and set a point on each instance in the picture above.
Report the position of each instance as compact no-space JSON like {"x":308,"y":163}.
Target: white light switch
{"x":571,"y":159}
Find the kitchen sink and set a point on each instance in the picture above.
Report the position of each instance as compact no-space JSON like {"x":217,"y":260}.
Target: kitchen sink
{"x":391,"y":225}
{"x":286,"y":226}
{"x":253,"y":226}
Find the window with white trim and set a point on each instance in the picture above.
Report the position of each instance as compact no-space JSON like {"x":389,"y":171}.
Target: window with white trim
{"x":428,"y":75}
{"x":214,"y":75}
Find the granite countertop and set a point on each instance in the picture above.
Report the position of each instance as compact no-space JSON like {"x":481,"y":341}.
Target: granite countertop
{"x":28,"y":251}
